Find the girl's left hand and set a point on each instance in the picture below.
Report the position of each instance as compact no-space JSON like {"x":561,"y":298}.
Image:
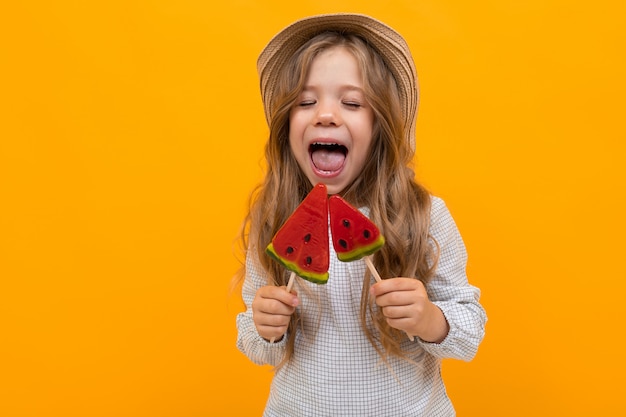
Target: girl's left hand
{"x":405,"y":304}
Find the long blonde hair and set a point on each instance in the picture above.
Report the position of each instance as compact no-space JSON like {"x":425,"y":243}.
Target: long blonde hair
{"x":398,"y":205}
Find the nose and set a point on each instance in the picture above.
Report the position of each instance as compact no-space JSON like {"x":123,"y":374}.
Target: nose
{"x":327,"y":115}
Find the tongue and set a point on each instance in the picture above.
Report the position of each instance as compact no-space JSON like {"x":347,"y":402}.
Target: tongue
{"x":328,"y":160}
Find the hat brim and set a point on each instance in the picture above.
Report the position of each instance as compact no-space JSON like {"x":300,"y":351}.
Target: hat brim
{"x":388,"y":43}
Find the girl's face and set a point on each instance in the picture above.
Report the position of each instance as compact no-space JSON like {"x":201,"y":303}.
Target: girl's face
{"x":331,"y":123}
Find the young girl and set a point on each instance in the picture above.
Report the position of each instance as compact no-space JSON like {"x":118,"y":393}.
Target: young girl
{"x":340,"y":97}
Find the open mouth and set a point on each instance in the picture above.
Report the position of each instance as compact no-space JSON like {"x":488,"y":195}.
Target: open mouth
{"x":328,"y":157}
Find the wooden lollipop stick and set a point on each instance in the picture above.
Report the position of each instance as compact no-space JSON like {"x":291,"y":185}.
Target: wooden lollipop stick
{"x":372,"y":268}
{"x":292,"y":278}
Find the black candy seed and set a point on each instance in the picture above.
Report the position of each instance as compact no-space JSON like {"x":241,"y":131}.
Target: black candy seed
{"x":366,"y":234}
{"x":289,"y":249}
{"x":307,"y":237}
{"x":346,"y":223}
{"x":343,"y":243}
{"x":309,"y":260}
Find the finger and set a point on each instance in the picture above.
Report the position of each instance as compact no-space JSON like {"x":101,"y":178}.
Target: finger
{"x":398,"y":298}
{"x":396,"y":312}
{"x":271,"y":332}
{"x":410,"y":312}
{"x":403,"y":323}
{"x":272,"y":306}
{"x":271,"y":325}
{"x":281,"y":294}
{"x":395,"y":284}
{"x":272,"y":320}
{"x":269,"y":294}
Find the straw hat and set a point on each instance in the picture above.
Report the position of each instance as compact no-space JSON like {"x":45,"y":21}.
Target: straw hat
{"x":389,"y":44}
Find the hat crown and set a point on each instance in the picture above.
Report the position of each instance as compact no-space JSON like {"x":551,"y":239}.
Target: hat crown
{"x":388,"y":43}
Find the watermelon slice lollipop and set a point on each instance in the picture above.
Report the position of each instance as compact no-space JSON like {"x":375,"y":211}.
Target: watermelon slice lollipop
{"x":301,"y":244}
{"x":354,"y":235}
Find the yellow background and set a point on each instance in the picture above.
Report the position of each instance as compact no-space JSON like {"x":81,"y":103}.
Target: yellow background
{"x":131,"y":133}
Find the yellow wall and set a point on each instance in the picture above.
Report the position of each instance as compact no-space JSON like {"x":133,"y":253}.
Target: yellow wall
{"x":132,"y":131}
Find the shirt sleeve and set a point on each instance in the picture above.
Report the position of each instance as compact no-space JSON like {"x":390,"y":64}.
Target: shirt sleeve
{"x":450,"y":290}
{"x":249,"y":342}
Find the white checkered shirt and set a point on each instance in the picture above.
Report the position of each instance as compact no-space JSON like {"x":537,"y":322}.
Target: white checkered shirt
{"x":335,"y":371}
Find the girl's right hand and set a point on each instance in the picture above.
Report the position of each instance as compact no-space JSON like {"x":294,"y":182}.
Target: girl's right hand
{"x":272,"y":308}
